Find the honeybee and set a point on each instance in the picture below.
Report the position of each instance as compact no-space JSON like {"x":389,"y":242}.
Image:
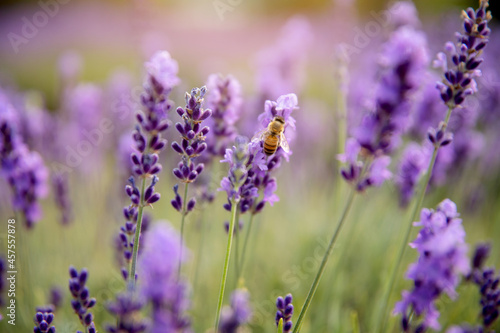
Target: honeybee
{"x":273,"y":136}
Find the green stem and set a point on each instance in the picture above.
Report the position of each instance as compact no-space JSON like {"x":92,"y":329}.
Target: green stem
{"x":234,"y":208}
{"x":245,"y":243}
{"x":131,"y":273}
{"x":237,"y":245}
{"x":321,"y":269}
{"x":184,"y":213}
{"x":381,"y":321}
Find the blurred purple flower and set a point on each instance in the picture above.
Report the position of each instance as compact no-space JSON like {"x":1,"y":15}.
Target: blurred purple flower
{"x":162,"y":73}
{"x":442,"y":260}
{"x":159,"y":284}
{"x":82,"y":302}
{"x":224,"y":99}
{"x":403,"y":13}
{"x":127,"y":309}
{"x":280,"y":68}
{"x":238,"y":314}
{"x":412,"y":166}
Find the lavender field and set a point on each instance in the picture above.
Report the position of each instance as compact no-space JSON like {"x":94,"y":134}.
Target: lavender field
{"x":234,"y":166}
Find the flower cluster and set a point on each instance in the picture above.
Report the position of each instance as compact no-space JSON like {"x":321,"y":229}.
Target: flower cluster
{"x":285,"y":312}
{"x":458,"y":79}
{"x":148,"y":143}
{"x":488,"y":284}
{"x":160,"y":285}
{"x":62,"y":199}
{"x":404,"y":59}
{"x":442,"y":259}
{"x":43,"y":321}
{"x":23,"y":169}
{"x":82,"y":302}
{"x":250,"y":169}
{"x":192,"y":143}
{"x":412,"y":166}
{"x":224,"y":99}
{"x":126,"y":309}
{"x":238,"y":314}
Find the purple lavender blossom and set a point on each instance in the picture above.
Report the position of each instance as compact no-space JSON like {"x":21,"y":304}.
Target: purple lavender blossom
{"x":82,"y":302}
{"x":403,"y":61}
{"x":238,"y":314}
{"x":24,"y":170}
{"x":412,"y":167}
{"x":148,"y":143}
{"x":281,"y":67}
{"x":442,"y":249}
{"x":459,"y":79}
{"x":126,"y":309}
{"x":61,"y":194}
{"x":56,"y":297}
{"x":43,"y":321}
{"x":192,"y":144}
{"x":159,"y":284}
{"x":285,"y":312}
{"x":224,"y":99}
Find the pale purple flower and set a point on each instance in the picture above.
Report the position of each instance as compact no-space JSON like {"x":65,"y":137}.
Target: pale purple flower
{"x":442,"y":260}
{"x":412,"y":166}
{"x":238,"y":314}
{"x":159,"y":283}
{"x":162,"y":73}
{"x":403,"y":13}
{"x":224,"y":98}
{"x":280,"y":68}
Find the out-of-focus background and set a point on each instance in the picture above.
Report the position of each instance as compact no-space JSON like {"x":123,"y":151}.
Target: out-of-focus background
{"x":105,"y":44}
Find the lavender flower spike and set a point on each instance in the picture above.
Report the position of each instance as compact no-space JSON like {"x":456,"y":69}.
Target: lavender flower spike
{"x":238,"y":314}
{"x":148,"y":141}
{"x":442,"y":260}
{"x":285,"y":312}
{"x":126,"y":309}
{"x":82,"y":302}
{"x":224,"y":99}
{"x":159,"y":284}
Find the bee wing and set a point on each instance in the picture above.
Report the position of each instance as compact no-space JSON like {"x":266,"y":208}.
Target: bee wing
{"x":284,"y":143}
{"x":259,"y":135}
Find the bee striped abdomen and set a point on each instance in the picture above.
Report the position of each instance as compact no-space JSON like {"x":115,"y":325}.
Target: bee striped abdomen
{"x":270,"y":145}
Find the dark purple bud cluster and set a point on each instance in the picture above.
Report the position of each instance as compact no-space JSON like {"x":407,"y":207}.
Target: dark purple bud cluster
{"x":126,"y":309}
{"x":56,"y":297}
{"x":82,"y":302}
{"x":285,"y":312}
{"x":192,"y":143}
{"x":440,"y":137}
{"x":43,"y":321}
{"x":488,"y":284}
{"x":61,"y":196}
{"x":458,"y":79}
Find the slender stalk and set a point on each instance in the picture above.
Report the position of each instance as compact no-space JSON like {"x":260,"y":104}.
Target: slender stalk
{"x":237,"y":246}
{"x":245,"y":243}
{"x":131,"y":273}
{"x":234,"y":208}
{"x":184,"y":212}
{"x":381,"y":318}
{"x":321,"y":269}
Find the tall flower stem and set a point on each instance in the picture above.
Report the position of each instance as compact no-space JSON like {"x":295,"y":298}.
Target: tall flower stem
{"x":245,"y":243}
{"x":234,"y":208}
{"x":131,"y":273}
{"x":237,"y":247}
{"x":184,"y":212}
{"x":381,"y":318}
{"x":321,"y":269}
